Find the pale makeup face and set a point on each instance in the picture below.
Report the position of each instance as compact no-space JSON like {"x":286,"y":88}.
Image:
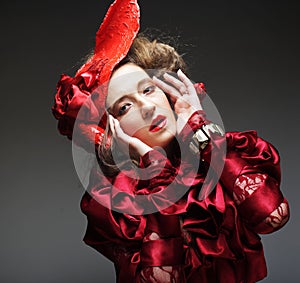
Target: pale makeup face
{"x":142,"y":108}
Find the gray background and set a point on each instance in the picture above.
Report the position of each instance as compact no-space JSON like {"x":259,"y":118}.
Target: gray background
{"x":247,"y":53}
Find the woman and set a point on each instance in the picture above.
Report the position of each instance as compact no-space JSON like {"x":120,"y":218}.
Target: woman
{"x":155,"y":149}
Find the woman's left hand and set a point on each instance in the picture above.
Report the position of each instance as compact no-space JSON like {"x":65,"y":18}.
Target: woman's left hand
{"x":183,"y":94}
{"x":136,"y":146}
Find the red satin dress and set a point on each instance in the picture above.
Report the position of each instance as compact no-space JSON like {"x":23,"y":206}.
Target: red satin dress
{"x":213,"y":240}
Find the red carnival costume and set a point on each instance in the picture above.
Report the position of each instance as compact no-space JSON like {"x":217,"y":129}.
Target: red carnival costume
{"x":210,"y":240}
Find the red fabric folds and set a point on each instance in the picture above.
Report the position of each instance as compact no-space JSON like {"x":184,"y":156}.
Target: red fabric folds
{"x":262,"y":208}
{"x":87,"y":89}
{"x":162,"y":252}
{"x":217,"y":240}
{"x":197,"y":120}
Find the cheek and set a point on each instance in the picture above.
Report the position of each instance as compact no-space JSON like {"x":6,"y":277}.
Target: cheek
{"x":130,"y":124}
{"x":127,"y":126}
{"x":162,"y":101}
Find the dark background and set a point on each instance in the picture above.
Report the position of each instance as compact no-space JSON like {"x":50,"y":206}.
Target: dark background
{"x":247,"y":53}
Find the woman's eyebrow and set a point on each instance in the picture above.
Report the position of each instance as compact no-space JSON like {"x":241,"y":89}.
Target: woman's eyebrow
{"x":112,"y":109}
{"x":143,"y":81}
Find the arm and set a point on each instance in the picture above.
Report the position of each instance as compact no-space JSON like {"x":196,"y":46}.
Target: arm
{"x":251,"y":172}
{"x":246,"y":185}
{"x":161,"y":247}
{"x":151,"y":242}
{"x":161,"y":259}
{"x":251,"y":175}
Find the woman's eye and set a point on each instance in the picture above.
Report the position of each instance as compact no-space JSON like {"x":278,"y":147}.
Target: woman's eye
{"x":149,"y":89}
{"x":123,"y":109}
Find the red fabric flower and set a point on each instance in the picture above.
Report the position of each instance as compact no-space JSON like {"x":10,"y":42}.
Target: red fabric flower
{"x":71,"y":107}
{"x":71,"y":95}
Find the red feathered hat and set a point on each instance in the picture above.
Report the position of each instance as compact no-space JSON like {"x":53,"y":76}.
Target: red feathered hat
{"x":79,"y":103}
{"x":82,"y":98}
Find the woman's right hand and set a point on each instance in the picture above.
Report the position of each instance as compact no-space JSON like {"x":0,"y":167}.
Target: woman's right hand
{"x":136,"y":147}
{"x":183,"y":94}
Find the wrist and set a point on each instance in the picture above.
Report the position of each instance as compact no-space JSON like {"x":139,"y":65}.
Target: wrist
{"x":187,"y":113}
{"x":195,"y":122}
{"x":202,"y":137}
{"x":138,"y":148}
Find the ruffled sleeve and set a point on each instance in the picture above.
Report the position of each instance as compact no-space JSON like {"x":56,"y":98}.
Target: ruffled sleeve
{"x":216,"y":233}
{"x":252,"y":176}
{"x":115,"y":235}
{"x":124,"y":237}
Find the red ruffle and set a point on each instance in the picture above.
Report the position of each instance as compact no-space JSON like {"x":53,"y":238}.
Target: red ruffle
{"x":222,"y":242}
{"x":113,"y":40}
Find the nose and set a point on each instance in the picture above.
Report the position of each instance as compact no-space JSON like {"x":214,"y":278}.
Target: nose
{"x":147,"y":109}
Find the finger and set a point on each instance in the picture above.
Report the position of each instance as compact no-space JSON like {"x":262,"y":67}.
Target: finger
{"x":119,"y":133}
{"x":112,"y":125}
{"x":118,"y":129}
{"x":180,"y":86}
{"x":167,"y":88}
{"x":187,"y":82}
{"x":121,"y":137}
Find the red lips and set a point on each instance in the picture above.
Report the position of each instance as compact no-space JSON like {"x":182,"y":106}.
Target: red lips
{"x":158,"y":123}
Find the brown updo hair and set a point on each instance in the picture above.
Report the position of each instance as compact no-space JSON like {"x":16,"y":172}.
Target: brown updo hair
{"x":149,"y":54}
{"x":159,"y":58}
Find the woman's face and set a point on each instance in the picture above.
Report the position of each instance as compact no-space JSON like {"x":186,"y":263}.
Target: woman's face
{"x":142,"y":109}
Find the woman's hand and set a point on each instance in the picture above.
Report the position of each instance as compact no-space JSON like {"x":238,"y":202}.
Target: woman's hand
{"x":183,"y":94}
{"x":135,"y":146}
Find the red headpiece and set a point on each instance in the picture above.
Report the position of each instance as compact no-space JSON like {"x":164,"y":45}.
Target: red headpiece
{"x":81,"y":99}
{"x":113,"y":40}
